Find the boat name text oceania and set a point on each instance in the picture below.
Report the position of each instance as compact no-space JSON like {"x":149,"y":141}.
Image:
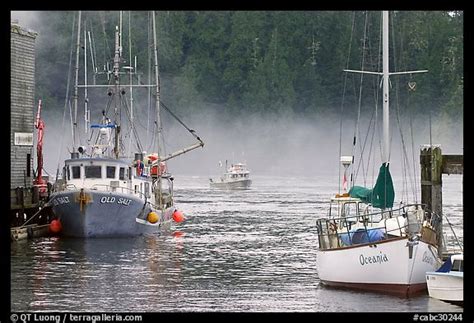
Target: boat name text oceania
{"x":372,"y":259}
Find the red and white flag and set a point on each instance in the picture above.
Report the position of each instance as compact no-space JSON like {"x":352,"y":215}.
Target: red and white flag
{"x":344,"y":182}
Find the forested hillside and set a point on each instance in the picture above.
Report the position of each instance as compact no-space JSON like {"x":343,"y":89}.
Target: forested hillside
{"x":271,"y":62}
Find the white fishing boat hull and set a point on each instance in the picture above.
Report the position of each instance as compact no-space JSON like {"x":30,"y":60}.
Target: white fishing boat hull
{"x":386,"y":266}
{"x":446,"y":286}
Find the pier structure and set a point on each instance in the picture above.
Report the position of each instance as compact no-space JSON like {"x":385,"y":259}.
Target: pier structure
{"x":25,"y":200}
{"x":433,"y":165}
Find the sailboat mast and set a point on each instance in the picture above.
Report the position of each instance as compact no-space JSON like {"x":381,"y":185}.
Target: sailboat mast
{"x":78,"y":46}
{"x":157,"y":80}
{"x":386,"y":133}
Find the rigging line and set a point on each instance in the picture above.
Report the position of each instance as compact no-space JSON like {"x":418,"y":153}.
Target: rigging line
{"x":362,"y":148}
{"x":412,"y":147}
{"x":405,"y":158}
{"x":132,"y":126}
{"x":458,"y":241}
{"x":93,"y":49}
{"x":344,"y":75}
{"x":149,"y":74}
{"x":397,"y":99}
{"x":102,"y":20}
{"x":181,"y":122}
{"x":356,"y":129}
{"x":191,"y":131}
{"x":66,"y":99}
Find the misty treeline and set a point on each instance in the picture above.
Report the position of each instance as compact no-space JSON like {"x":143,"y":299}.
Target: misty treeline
{"x":271,"y":62}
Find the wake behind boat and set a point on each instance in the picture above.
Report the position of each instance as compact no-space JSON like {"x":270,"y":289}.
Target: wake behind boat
{"x":237,"y":176}
{"x":103,"y":191}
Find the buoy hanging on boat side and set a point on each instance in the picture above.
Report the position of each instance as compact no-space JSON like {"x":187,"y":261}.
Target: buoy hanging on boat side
{"x":55,"y":226}
{"x":152,"y":217}
{"x":178,"y":216}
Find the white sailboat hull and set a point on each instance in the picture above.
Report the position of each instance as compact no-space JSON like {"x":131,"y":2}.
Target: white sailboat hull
{"x":387,"y":266}
{"x":446,"y":286}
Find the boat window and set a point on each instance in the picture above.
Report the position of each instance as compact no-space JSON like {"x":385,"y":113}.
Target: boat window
{"x":76,"y":171}
{"x":122,"y":173}
{"x":93,"y":171}
{"x":147,"y":189}
{"x":110,"y":171}
{"x":457,"y":266}
{"x":350,"y":209}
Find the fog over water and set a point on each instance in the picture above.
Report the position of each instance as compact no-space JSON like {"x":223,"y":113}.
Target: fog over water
{"x":269,"y":145}
{"x":276,"y":146}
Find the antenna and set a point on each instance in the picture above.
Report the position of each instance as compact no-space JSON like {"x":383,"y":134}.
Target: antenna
{"x":86,"y":98}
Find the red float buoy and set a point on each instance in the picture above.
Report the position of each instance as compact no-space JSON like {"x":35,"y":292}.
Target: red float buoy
{"x":178,"y":216}
{"x":55,"y":226}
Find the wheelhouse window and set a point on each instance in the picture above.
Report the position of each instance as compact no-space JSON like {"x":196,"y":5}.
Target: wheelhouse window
{"x":110,"y":171}
{"x":147,"y":189}
{"x":93,"y":171}
{"x":76,"y":171}
{"x":350,"y":209}
{"x":122,"y":173}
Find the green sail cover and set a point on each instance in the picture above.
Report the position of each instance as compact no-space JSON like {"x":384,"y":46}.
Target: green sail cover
{"x":382,"y":195}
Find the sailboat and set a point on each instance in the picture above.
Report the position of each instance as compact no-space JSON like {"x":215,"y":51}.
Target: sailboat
{"x":364,"y":242}
{"x":103,"y":191}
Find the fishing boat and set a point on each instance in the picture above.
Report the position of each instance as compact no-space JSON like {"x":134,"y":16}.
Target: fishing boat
{"x":447,"y":283}
{"x":365,"y":242}
{"x":236,"y":176}
{"x":106,"y":191}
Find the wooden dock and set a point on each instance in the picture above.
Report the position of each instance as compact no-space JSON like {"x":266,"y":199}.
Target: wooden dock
{"x":29,"y":231}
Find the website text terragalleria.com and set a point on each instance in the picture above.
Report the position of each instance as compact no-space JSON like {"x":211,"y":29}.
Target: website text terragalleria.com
{"x":71,"y":317}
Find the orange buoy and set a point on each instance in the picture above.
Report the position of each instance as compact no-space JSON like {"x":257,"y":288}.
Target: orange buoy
{"x":55,"y":226}
{"x":152,"y":217}
{"x":178,"y":216}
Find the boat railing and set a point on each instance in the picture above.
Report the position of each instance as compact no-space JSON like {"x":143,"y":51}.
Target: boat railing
{"x":411,"y":221}
{"x":107,"y":188}
{"x":119,"y":189}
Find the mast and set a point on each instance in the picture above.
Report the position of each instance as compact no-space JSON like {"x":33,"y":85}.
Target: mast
{"x":386,"y":85}
{"x":157,"y":80}
{"x":131,"y":70}
{"x":386,"y":113}
{"x":117,"y":90}
{"x":78,"y":47}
